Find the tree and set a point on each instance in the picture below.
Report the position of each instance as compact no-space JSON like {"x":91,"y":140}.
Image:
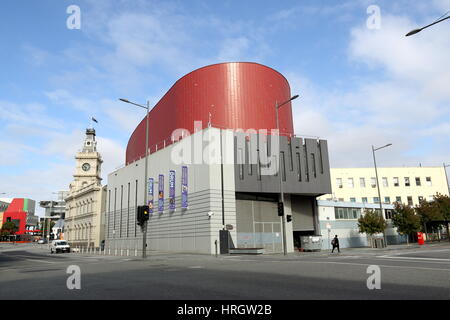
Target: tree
{"x":405,"y":220}
{"x":45,"y":227}
{"x":429,"y":211}
{"x":442,"y":205}
{"x":371,"y":222}
{"x":9,"y":228}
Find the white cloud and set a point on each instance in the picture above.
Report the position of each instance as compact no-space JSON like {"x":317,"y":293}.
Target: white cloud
{"x":113,"y":155}
{"x":38,"y":184}
{"x":34,"y":114}
{"x":406,"y":106}
{"x":233,"y":49}
{"x":64,"y":97}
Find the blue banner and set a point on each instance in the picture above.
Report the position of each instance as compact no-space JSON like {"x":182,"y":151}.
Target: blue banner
{"x":161,"y":193}
{"x":172,"y":190}
{"x":184,"y":187}
{"x":150,"y":195}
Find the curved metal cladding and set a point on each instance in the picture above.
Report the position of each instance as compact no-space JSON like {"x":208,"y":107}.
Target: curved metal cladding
{"x":238,"y":95}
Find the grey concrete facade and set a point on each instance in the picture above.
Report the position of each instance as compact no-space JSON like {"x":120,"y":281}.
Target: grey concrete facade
{"x":304,"y":165}
{"x":217,"y":195}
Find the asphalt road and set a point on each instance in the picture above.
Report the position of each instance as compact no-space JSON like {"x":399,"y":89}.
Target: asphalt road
{"x":29,"y":271}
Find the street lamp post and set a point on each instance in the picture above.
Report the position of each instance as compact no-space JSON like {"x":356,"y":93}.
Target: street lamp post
{"x":283,"y":219}
{"x":420,"y":29}
{"x":144,"y":227}
{"x":378,"y":184}
{"x":448,"y":186}
{"x":446,"y":178}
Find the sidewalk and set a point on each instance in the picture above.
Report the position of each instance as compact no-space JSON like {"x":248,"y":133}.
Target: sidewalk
{"x":367,"y":250}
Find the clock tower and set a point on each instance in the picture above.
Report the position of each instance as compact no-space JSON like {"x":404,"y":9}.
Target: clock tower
{"x":84,"y":225}
{"x":88,"y":163}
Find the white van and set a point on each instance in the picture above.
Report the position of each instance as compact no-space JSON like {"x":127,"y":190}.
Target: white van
{"x":59,"y":246}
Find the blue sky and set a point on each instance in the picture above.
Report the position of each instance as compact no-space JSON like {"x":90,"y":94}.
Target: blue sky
{"x":358,"y":86}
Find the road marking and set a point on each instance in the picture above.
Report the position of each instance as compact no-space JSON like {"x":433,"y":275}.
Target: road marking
{"x":412,"y":258}
{"x":34,"y":260}
{"x":419,"y":251}
{"x":351,"y":263}
{"x":386,"y":266}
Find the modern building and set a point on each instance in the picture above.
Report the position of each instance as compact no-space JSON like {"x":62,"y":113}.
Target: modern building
{"x":21,"y":212}
{"x":3,"y":206}
{"x":85,"y":202}
{"x":55,"y":211}
{"x":341,"y":219}
{"x":407,"y":185}
{"x":216,"y":170}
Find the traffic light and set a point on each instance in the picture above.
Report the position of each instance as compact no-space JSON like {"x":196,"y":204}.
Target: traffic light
{"x":145,"y":213}
{"x":142,"y":215}
{"x":139,"y":216}
{"x":280,"y":209}
{"x":288,"y":218}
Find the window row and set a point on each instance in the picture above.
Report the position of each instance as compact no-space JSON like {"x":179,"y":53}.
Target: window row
{"x":355,"y":213}
{"x":347,"y":213}
{"x":385,"y":183}
{"x":387,"y":200}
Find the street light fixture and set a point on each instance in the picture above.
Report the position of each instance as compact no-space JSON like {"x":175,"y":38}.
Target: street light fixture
{"x":378,"y":184}
{"x":144,"y":226}
{"x":420,"y":29}
{"x":283,"y":219}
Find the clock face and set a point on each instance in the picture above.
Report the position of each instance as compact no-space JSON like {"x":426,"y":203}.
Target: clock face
{"x":86,"y":166}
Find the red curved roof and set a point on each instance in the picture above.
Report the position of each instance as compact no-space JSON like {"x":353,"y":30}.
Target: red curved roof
{"x":238,"y":95}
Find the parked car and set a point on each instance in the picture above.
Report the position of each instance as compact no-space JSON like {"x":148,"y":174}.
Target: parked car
{"x":42,"y":241}
{"x":59,"y":246}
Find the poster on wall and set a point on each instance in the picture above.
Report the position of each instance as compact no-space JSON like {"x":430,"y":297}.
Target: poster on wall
{"x":172,"y":190}
{"x":150,"y":195}
{"x":161,"y":193}
{"x":184,"y":187}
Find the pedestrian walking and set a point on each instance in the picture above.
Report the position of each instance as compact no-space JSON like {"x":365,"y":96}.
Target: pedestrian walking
{"x":335,"y":244}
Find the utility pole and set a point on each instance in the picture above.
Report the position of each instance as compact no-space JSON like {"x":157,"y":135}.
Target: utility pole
{"x":144,"y":226}
{"x":283,"y":218}
{"x":448,"y":187}
{"x":378,"y":184}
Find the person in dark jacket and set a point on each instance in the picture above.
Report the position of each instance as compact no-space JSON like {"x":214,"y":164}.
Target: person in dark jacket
{"x":335,"y":244}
